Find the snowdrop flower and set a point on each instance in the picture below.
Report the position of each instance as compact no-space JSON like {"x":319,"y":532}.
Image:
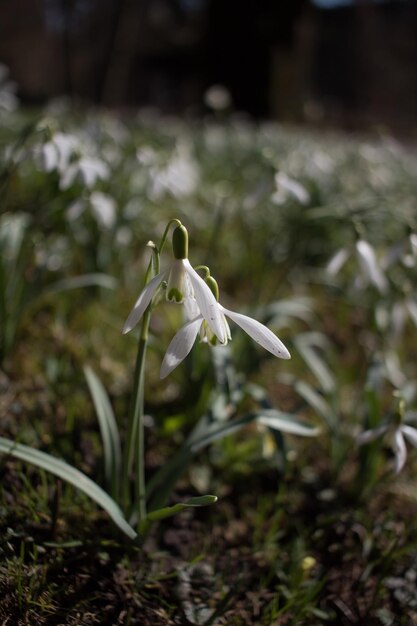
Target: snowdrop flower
{"x":87,"y":170}
{"x":289,"y":188}
{"x":183,"y":341}
{"x":103,"y":208}
{"x":371,"y":272}
{"x":183,"y":285}
{"x":395,"y":433}
{"x":56,"y":153}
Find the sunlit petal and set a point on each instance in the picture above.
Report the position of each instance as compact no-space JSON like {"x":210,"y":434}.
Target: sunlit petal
{"x":259,"y":333}
{"x":400,"y":451}
{"x":410,"y":433}
{"x":180,"y":346}
{"x":207,"y":303}
{"x":143,"y":301}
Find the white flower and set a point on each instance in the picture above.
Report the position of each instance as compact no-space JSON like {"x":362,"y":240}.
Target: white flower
{"x":396,"y":436}
{"x":103,"y":208}
{"x":183,"y":284}
{"x":183,"y":341}
{"x":289,"y":188}
{"x":87,"y":170}
{"x":371,"y":271}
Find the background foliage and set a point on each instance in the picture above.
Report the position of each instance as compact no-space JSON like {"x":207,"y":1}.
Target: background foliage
{"x":306,"y":530}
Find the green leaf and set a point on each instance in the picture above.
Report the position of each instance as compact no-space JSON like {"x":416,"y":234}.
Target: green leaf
{"x":306,"y":345}
{"x":169,"y":511}
{"x":108,"y":429}
{"x":214,"y":432}
{"x":71,"y":475}
{"x":314,"y":399}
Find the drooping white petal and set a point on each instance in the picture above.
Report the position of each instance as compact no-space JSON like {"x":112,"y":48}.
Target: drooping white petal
{"x":259,"y":333}
{"x":337,"y":262}
{"x":370,"y":435}
{"x":410,"y":433}
{"x":369,"y":265}
{"x":143,"y":301}
{"x":207,"y":303}
{"x":180,"y":346}
{"x":400,"y":451}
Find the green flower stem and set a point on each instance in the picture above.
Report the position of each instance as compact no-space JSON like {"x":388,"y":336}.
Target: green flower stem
{"x":134,"y":458}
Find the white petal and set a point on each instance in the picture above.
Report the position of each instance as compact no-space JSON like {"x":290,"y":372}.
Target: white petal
{"x":370,"y":435}
{"x":337,"y":261}
{"x":180,"y":346}
{"x":259,"y":333}
{"x":142,"y":302}
{"x":369,"y":265}
{"x":410,"y":433}
{"x":207,"y":303}
{"x":400,"y":450}
{"x":191,"y":308}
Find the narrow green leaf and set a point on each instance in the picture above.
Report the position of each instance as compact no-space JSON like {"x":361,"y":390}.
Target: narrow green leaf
{"x":71,"y":475}
{"x":108,"y":429}
{"x":306,"y":345}
{"x":215,"y":432}
{"x":316,"y":401}
{"x":169,"y":511}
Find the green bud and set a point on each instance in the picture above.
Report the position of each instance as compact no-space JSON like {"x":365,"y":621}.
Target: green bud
{"x":180,"y":242}
{"x":212,"y":283}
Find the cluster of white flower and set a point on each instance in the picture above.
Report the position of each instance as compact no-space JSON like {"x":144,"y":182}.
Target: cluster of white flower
{"x":178,"y":176}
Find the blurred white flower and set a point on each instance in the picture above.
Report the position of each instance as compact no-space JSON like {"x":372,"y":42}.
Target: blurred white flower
{"x":87,"y":170}
{"x":103,"y":208}
{"x":75,"y":209}
{"x":371,"y":271}
{"x":404,"y":251}
{"x":396,"y":436}
{"x":179,"y":176}
{"x":288,"y":188}
{"x":57,"y":153}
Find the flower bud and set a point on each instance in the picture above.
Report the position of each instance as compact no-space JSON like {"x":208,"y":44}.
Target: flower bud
{"x":212,"y":283}
{"x":180,"y":242}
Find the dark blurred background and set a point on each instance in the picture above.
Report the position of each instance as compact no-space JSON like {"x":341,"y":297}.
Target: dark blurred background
{"x":349,"y":63}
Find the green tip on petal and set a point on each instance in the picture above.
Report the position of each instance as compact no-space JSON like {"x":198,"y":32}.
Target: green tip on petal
{"x":174,"y":295}
{"x":180,"y":242}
